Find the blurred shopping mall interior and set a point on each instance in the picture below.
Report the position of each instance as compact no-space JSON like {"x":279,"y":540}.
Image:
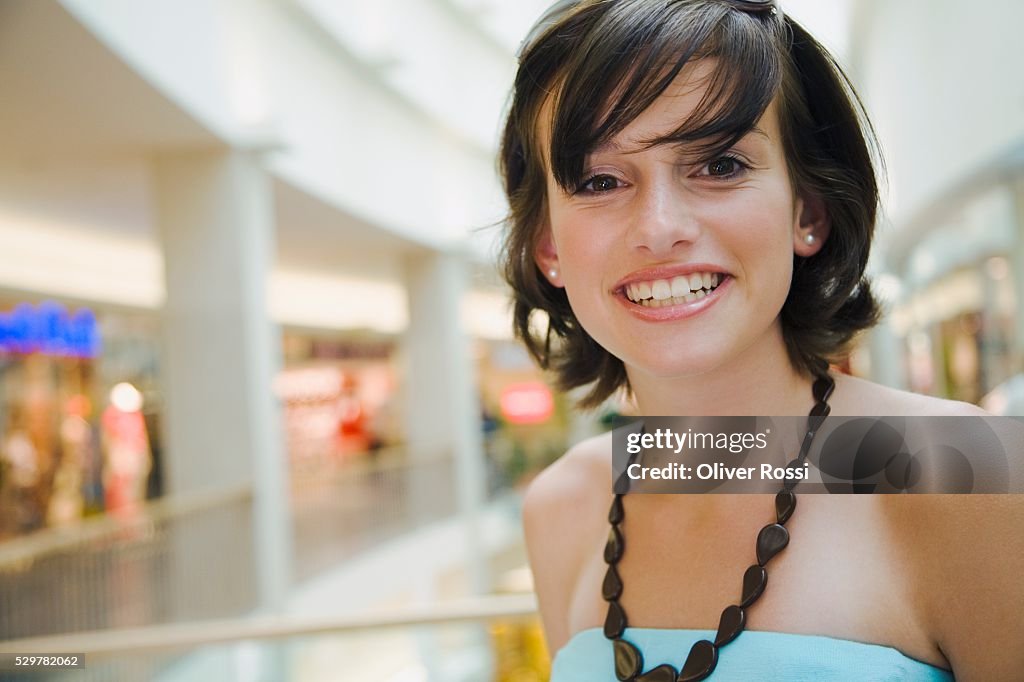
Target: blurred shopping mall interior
{"x":262,"y":416}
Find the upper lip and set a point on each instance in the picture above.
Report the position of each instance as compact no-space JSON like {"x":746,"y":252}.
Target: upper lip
{"x":666,"y":272}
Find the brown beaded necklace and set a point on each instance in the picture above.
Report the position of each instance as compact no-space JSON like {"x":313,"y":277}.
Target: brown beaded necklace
{"x":771,"y":540}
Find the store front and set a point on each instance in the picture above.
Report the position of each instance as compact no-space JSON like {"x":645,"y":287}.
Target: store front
{"x":339,"y":398}
{"x":959,"y":331}
{"x":78,"y":413}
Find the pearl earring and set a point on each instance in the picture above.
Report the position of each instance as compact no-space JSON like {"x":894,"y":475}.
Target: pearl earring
{"x":553,"y":273}
{"x":809,"y":238}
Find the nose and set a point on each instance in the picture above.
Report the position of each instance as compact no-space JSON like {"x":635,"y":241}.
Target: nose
{"x":663,"y":218}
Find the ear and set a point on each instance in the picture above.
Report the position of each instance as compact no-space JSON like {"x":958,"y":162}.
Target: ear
{"x":811,"y":225}
{"x":546,"y":257}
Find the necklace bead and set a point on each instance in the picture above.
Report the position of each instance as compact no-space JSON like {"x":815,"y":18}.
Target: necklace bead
{"x":628,"y":660}
{"x":615,"y":547}
{"x":772,"y":539}
{"x":822,"y":389}
{"x":616,"y":513}
{"x":754,"y":582}
{"x":701,"y":661}
{"x":615,"y":621}
{"x":733,"y":620}
{"x":785,"y":505}
{"x":611,"y":588}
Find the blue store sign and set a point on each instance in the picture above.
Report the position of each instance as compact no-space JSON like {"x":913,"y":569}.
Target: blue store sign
{"x":50,"y":329}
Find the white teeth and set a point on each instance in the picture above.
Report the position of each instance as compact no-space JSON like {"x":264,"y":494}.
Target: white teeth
{"x":661,"y":290}
{"x":680,"y":287}
{"x":672,"y":292}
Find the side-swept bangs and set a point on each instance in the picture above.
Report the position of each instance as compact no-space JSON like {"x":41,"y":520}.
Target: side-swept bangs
{"x":630,"y":55}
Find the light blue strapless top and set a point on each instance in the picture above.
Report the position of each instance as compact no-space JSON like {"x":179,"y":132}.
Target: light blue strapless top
{"x":754,"y":657}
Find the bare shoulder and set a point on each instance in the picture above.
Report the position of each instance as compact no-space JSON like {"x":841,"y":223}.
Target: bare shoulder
{"x":991,"y":447}
{"x":966,"y":552}
{"x":563,"y":517}
{"x":855,"y":396}
{"x":968,"y":556}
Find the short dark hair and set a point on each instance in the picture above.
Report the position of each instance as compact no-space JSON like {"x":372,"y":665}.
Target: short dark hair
{"x":599,"y":66}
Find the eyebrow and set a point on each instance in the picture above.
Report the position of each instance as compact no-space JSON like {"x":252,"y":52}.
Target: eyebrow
{"x":616,"y":148}
{"x":759,"y":131}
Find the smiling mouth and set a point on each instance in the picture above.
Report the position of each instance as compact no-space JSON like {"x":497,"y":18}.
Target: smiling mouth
{"x":675,"y":291}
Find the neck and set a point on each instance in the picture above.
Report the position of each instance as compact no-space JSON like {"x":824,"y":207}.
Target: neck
{"x":762,"y":381}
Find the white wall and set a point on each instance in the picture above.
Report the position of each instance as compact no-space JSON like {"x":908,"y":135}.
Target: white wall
{"x":942,"y":82}
{"x":79,"y":228}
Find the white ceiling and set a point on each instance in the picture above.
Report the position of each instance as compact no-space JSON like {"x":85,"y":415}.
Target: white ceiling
{"x":65,"y":91}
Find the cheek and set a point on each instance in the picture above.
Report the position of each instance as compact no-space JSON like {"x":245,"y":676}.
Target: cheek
{"x":761,"y":239}
{"x":580,"y":261}
{"x":585,"y":250}
{"x":767,"y":218}
{"x":582,"y":243}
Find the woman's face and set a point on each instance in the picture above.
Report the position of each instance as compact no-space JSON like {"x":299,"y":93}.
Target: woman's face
{"x":674,"y":266}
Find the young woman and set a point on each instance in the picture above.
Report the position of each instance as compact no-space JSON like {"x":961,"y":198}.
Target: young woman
{"x":692,"y":204}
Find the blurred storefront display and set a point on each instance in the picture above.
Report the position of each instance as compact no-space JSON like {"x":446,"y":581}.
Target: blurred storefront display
{"x":66,"y":449}
{"x":341,"y":401}
{"x":526,"y":423}
{"x":958,"y":332}
{"x":956,"y":290}
{"x":339,"y":398}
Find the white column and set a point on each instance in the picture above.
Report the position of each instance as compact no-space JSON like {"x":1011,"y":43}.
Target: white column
{"x":1017,"y":268}
{"x":442,"y":409}
{"x":221,"y":351}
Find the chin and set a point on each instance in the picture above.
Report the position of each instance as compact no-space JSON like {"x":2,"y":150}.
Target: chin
{"x":678,"y":366}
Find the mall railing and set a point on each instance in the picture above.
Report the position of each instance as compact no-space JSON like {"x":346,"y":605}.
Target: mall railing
{"x":483,"y":638}
{"x":179,"y":558}
{"x":183,"y":558}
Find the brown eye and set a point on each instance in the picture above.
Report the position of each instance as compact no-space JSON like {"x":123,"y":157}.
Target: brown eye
{"x":724,"y":166}
{"x":601,"y":183}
